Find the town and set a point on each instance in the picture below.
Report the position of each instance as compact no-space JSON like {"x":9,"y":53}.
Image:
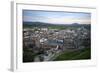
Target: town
{"x":46,"y":44}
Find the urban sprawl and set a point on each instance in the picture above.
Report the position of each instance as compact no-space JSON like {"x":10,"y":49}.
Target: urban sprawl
{"x":48,"y":43}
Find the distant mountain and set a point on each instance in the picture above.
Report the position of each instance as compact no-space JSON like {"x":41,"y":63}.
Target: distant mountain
{"x":41,"y":24}
{"x":36,"y":24}
{"x":75,"y":24}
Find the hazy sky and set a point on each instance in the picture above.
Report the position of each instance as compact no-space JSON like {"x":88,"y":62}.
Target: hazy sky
{"x":56,"y":17}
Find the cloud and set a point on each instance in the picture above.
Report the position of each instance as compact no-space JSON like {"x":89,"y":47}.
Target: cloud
{"x":57,"y":17}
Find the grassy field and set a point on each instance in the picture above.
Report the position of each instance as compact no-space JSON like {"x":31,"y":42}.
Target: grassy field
{"x":57,"y":27}
{"x":62,"y":27}
{"x":75,"y":55}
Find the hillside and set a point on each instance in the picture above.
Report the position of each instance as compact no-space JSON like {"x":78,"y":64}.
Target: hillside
{"x":53,"y":26}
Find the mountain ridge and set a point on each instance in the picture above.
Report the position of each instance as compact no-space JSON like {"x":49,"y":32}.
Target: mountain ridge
{"x":30,"y":23}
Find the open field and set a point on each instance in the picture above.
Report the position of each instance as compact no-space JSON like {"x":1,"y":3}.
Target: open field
{"x":75,"y":55}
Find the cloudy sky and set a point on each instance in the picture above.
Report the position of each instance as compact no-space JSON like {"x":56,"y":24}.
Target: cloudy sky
{"x":56,"y":17}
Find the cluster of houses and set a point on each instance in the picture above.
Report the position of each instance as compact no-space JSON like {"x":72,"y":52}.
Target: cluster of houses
{"x":51,"y":41}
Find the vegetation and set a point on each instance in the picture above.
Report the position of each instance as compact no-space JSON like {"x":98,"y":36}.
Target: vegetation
{"x":54,"y":26}
{"x":75,"y":55}
{"x":28,"y":55}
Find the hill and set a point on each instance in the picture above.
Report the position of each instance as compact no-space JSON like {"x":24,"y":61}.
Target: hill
{"x":53,"y":26}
